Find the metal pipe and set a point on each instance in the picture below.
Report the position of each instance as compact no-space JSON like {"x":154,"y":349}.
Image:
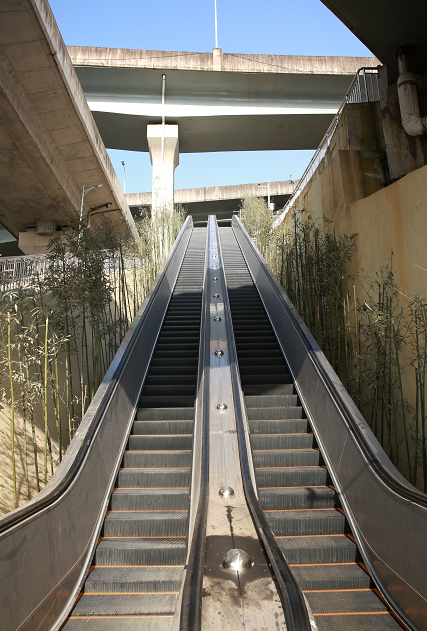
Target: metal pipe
{"x":413,"y":123}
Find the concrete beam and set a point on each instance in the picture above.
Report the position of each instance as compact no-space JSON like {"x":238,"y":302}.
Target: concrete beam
{"x":50,"y":145}
{"x":216,"y":193}
{"x":229,"y":62}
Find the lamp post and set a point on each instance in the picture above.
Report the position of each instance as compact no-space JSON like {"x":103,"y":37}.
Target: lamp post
{"x":124,"y":183}
{"x":216,"y":27}
{"x":267,"y":186}
{"x":84,"y":192}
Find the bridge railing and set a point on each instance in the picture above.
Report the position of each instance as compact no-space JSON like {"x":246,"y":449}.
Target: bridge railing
{"x":19,"y":271}
{"x":363,"y":89}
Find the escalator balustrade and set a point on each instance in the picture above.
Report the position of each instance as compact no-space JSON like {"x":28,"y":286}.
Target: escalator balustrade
{"x":294,"y":487}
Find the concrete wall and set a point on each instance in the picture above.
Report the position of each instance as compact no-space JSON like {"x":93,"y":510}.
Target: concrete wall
{"x":349,"y":188}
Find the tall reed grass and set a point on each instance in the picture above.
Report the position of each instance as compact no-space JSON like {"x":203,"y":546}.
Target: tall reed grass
{"x":373,"y":340}
{"x":60,"y":331}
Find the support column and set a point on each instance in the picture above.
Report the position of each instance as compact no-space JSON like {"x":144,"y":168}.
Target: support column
{"x":164,"y":153}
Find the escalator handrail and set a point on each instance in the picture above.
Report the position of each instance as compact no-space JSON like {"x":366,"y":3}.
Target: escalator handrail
{"x":81,"y":442}
{"x":294,"y":606}
{"x":191,"y":603}
{"x":374,"y":453}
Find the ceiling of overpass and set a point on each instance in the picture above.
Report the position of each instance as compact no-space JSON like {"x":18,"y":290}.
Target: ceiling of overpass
{"x":385,"y":25}
{"x":215,"y":111}
{"x":220,"y":133}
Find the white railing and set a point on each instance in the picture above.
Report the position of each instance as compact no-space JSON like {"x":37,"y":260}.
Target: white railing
{"x":19,"y":271}
{"x":363,"y":88}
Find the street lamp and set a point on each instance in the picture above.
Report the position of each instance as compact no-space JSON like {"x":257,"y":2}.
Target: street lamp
{"x":84,"y":191}
{"x":124,"y":184}
{"x":267,"y":186}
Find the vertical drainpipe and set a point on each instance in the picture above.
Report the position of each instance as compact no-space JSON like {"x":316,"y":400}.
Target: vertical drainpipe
{"x":413,"y":123}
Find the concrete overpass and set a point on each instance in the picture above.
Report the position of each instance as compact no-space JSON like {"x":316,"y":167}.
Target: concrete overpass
{"x":222,"y":201}
{"x":50,"y":145}
{"x":220,"y":101}
{"x":386,"y":25}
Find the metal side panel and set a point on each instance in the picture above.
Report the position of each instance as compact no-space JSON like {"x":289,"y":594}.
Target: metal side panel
{"x":46,"y":545}
{"x":387,"y":514}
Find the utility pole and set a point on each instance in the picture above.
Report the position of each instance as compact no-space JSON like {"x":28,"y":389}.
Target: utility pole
{"x":216,"y":27}
{"x":124,"y":183}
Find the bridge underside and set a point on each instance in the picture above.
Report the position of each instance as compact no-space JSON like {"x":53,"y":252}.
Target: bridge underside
{"x":218,"y":133}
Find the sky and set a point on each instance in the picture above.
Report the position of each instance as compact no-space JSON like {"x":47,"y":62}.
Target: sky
{"x":278,"y":27}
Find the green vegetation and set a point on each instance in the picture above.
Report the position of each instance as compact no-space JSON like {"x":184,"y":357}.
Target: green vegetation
{"x":376,"y":344}
{"x":60,"y":329}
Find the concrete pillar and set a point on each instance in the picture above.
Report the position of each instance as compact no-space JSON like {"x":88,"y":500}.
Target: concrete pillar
{"x":163,"y":165}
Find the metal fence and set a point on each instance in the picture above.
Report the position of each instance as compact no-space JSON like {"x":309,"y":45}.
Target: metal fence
{"x":19,"y":271}
{"x":363,"y":89}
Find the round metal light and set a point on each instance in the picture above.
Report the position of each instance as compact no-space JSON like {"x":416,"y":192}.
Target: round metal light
{"x":215,"y":279}
{"x":226,"y":491}
{"x":219,"y":353}
{"x":216,"y":295}
{"x":221,"y":407}
{"x":217,"y":319}
{"x":236,"y":559}
{"x":214,"y":266}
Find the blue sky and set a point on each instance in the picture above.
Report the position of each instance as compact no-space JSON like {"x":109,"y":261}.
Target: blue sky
{"x":282,"y":27}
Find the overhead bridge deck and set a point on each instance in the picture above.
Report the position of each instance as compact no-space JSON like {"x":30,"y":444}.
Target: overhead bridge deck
{"x":218,"y":383}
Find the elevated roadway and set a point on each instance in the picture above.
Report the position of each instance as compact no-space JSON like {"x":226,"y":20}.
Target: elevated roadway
{"x":223,"y":201}
{"x":220,"y":101}
{"x":50,"y":145}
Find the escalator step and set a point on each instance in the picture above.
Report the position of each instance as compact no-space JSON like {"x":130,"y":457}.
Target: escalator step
{"x":271,"y":401}
{"x":267,"y":389}
{"x":146,"y":524}
{"x":167,"y":392}
{"x":286,"y":458}
{"x":125,"y":604}
{"x":358,"y":622}
{"x":285,"y":426}
{"x":150,"y":499}
{"x":165,"y":414}
{"x":134,"y":579}
{"x":178,"y":401}
{"x":161,"y":442}
{"x":154,"y":478}
{"x":306,"y":522}
{"x":138,"y":551}
{"x":112,"y":623}
{"x":345,"y":602}
{"x":318,"y":549}
{"x":297,"y":498}
{"x":336,"y":576}
{"x":292,"y":476}
{"x":157,"y":458}
{"x":163,"y":427}
{"x":272,"y":414}
{"x":281,"y":441}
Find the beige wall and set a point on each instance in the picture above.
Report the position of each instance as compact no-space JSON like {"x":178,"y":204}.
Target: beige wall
{"x":393,"y":218}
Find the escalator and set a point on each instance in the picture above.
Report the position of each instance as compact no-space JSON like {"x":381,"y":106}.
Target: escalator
{"x":294,"y":487}
{"x":117,"y":539}
{"x":139,"y":560}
